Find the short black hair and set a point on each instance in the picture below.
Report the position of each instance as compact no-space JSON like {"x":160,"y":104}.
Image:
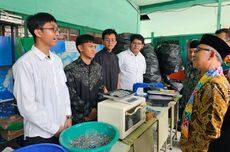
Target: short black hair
{"x":108,"y":32}
{"x":137,"y":36}
{"x":85,"y":38}
{"x":38,"y":20}
{"x":194,"y":44}
{"x":224,"y":30}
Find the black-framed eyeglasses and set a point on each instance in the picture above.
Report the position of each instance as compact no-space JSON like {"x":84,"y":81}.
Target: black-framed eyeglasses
{"x":110,"y":40}
{"x":136,"y":43}
{"x":198,"y":49}
{"x":54,"y":29}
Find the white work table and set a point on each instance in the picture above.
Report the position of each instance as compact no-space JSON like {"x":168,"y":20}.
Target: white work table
{"x":139,"y":138}
{"x":163,"y":123}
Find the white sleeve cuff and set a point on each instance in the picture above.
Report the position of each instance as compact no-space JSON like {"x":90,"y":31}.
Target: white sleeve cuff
{"x":68,"y":111}
{"x":54,"y":129}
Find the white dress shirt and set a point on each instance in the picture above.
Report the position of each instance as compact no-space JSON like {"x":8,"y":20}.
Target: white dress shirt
{"x":41,"y":93}
{"x":132,"y":68}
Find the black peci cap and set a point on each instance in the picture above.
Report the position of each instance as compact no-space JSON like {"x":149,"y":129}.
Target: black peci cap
{"x":194,"y":44}
{"x":218,"y":44}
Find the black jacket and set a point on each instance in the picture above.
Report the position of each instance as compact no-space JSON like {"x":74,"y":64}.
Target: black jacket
{"x":222,"y":144}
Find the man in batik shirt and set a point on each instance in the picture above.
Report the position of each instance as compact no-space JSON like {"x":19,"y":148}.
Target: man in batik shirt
{"x":84,"y":80}
{"x":207,"y":107}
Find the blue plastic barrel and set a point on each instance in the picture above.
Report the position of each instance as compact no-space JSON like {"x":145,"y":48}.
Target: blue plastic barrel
{"x":42,"y":148}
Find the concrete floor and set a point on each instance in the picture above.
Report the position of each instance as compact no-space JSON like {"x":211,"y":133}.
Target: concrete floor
{"x":176,"y":146}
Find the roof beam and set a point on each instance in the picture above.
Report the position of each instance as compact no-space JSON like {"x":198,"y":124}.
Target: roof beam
{"x":134,"y":6}
{"x":177,"y":4}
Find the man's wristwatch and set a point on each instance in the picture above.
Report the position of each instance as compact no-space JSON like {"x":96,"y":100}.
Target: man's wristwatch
{"x":69,"y":117}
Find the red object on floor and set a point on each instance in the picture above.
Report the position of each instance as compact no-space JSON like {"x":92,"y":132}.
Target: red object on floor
{"x":180,"y":75}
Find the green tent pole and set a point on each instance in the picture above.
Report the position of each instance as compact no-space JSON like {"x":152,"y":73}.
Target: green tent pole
{"x":218,"y":25}
{"x":152,"y":38}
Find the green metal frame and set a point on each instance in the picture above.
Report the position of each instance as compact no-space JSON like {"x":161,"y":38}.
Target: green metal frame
{"x":82,"y":29}
{"x":176,"y":4}
{"x":182,"y":40}
{"x":218,"y":25}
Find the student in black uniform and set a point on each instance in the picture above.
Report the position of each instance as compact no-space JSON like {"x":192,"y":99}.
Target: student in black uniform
{"x":108,"y":60}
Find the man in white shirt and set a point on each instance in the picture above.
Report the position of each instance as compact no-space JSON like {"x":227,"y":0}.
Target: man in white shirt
{"x":132,"y":63}
{"x":40,"y":85}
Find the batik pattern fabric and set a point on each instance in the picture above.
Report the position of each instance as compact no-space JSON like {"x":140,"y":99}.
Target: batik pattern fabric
{"x":84,"y":83}
{"x":188,"y":109}
{"x":204,"y":113}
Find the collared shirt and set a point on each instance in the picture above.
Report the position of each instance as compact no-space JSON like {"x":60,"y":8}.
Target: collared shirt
{"x":210,"y":106}
{"x":110,"y":67}
{"x":132,"y":68}
{"x":84,"y":83}
{"x":41,"y":93}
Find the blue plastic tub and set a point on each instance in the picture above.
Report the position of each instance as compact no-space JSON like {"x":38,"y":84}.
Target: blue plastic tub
{"x":42,"y":148}
{"x":68,"y":135}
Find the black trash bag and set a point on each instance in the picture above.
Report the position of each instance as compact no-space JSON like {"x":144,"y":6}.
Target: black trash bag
{"x":169,"y":58}
{"x":123,"y":42}
{"x":168,"y":54}
{"x":152,"y":74}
